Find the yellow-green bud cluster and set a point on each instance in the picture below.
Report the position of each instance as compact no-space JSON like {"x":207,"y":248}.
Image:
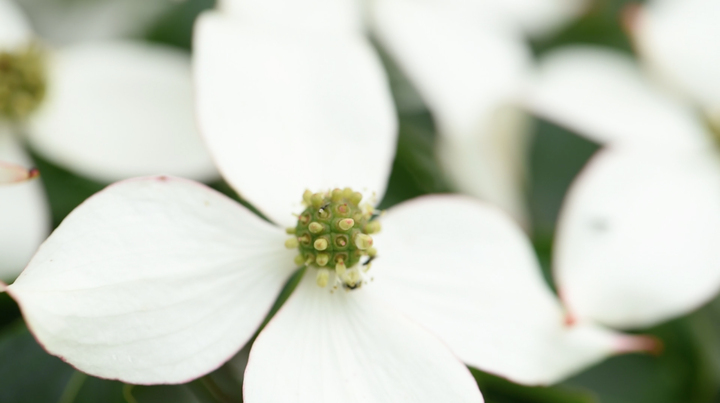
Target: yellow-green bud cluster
{"x":22,"y":82}
{"x":333,"y":233}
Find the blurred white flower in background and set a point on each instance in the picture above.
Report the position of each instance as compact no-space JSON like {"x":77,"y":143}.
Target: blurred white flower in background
{"x":638,"y":237}
{"x":65,"y":22}
{"x":104,"y":110}
{"x":678,"y":42}
{"x":468,"y":59}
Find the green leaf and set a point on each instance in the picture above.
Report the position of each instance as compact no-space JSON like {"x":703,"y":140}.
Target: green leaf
{"x":176,"y":26}
{"x":415,"y":170}
{"x":601,"y":25}
{"x":416,"y":152}
{"x":159,"y":394}
{"x":9,"y":311}
{"x":678,"y":375}
{"x":28,"y":374}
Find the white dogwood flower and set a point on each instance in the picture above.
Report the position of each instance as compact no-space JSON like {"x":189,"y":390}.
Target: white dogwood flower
{"x":638,"y":234}
{"x":161,"y":280}
{"x":104,"y":110}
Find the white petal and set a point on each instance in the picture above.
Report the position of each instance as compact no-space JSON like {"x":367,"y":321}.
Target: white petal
{"x":153,"y":280}
{"x":14,"y":27}
{"x":468,"y":274}
{"x":601,"y":93}
{"x":65,"y":22}
{"x":24,"y":213}
{"x":343,"y":346}
{"x":492,"y":166}
{"x":468,"y":70}
{"x":115,"y":110}
{"x":542,"y":17}
{"x":312,"y":15}
{"x":463,"y":64}
{"x":638,"y":236}
{"x":679,"y":38}
{"x":286,"y":112}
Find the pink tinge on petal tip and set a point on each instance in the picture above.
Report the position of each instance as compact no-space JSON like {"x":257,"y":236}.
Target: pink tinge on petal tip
{"x":13,"y":173}
{"x":570,"y":319}
{"x":3,"y":286}
{"x":624,"y":343}
{"x":644,"y":343}
{"x":630,"y":18}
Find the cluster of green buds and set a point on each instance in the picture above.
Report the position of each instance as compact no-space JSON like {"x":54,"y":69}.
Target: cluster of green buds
{"x":333,"y":233}
{"x":22,"y":82}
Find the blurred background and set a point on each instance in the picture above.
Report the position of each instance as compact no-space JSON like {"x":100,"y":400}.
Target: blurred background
{"x":687,"y":371}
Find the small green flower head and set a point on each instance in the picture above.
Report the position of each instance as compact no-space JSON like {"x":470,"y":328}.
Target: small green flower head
{"x":333,"y":233}
{"x":22,"y":82}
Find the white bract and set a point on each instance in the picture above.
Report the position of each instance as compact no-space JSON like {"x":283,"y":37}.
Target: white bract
{"x":104,"y":110}
{"x":162,"y":280}
{"x":24,"y":221}
{"x":467,"y":59}
{"x":638,"y":235}
{"x":468,"y":65}
{"x":678,"y":41}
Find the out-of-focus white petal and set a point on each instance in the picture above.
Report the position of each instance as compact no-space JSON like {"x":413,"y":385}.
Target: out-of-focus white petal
{"x":463,"y":64}
{"x":344,"y":346}
{"x":115,"y":110}
{"x":11,"y":173}
{"x":601,"y":93}
{"x":311,"y":15}
{"x":679,"y":39}
{"x":24,"y":213}
{"x":467,"y":273}
{"x":64,"y":22}
{"x":492,"y":166}
{"x":468,"y":68}
{"x":153,"y":280}
{"x":638,"y":236}
{"x":14,"y":27}
{"x":542,"y":17}
{"x":287,"y":112}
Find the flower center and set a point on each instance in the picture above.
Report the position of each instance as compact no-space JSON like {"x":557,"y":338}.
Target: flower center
{"x":333,"y":233}
{"x":22,"y":82}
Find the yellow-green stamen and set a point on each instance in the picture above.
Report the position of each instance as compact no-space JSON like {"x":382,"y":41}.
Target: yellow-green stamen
{"x":333,"y":233}
{"x":22,"y":82}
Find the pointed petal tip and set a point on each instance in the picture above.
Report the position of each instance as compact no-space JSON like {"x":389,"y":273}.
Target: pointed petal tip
{"x":33,"y":173}
{"x":645,"y":343}
{"x":570,"y":319}
{"x":13,"y":173}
